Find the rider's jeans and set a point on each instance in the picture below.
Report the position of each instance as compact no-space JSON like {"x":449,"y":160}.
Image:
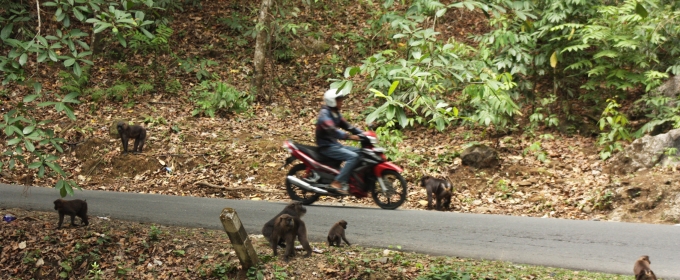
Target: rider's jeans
{"x":345,"y":153}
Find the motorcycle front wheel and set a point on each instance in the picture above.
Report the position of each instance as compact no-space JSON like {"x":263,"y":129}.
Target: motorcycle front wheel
{"x":296,"y":193}
{"x":395,"y":195}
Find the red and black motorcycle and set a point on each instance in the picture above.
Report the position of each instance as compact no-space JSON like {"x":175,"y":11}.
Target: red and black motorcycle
{"x":309,"y":180}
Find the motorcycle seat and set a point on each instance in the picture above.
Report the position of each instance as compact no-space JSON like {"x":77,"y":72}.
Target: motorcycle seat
{"x":313,"y":151}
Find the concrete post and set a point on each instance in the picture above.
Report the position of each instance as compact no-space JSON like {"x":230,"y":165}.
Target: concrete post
{"x":239,"y":238}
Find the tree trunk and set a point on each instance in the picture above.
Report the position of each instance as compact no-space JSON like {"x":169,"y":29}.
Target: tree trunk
{"x":260,"y":47}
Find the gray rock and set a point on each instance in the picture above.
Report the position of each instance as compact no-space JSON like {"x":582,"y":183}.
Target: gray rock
{"x":587,"y":210}
{"x":646,"y":152}
{"x":480,"y":156}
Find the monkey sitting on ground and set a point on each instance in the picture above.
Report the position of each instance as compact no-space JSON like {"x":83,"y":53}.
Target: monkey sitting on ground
{"x":337,"y":231}
{"x":127,"y":132}
{"x":440,"y":188}
{"x":642,"y":270}
{"x":72,"y":208}
{"x":296,"y":210}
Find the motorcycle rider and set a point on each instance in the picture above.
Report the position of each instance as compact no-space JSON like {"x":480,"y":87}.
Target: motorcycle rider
{"x":327,"y":135}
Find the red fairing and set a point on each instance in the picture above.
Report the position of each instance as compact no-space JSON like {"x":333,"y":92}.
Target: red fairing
{"x":371,"y":134}
{"x":386,"y":166}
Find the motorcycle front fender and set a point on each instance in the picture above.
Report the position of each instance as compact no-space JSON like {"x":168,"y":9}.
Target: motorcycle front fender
{"x":378,"y":170}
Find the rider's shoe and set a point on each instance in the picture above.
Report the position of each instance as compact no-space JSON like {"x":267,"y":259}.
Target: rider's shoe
{"x":340,"y":188}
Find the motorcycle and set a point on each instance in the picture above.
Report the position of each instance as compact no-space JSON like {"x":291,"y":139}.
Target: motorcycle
{"x":374,"y":174}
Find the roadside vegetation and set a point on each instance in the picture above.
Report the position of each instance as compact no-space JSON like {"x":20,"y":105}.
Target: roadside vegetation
{"x":31,"y":247}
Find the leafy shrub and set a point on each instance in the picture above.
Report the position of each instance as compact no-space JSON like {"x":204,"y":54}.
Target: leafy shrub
{"x":174,"y":86}
{"x":445,"y":272}
{"x":618,"y":131}
{"x":218,"y":97}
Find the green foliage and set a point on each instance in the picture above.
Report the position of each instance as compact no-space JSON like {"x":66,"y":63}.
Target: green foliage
{"x":217,"y":97}
{"x":445,"y":272}
{"x":543,"y":114}
{"x":31,"y":144}
{"x":222,"y":270}
{"x":154,"y":233}
{"x":617,"y":124}
{"x":255,"y":273}
{"x":617,"y":48}
{"x":536,"y":149}
{"x":199,"y":66}
{"x":95,"y":273}
{"x":144,"y":88}
{"x":27,"y":142}
{"x":390,"y":138}
{"x":422,"y":70}
{"x":157,"y":43}
{"x":660,"y":110}
{"x":173,"y":86}
{"x":66,"y":266}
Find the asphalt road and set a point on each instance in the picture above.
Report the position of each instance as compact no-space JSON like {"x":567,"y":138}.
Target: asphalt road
{"x":585,"y":245}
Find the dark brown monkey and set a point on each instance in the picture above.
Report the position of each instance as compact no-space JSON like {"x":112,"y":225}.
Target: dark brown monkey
{"x":127,"y":132}
{"x":72,"y":208}
{"x":284,"y":231}
{"x":446,"y":199}
{"x":642,"y":270}
{"x":296,"y":210}
{"x":440,"y":188}
{"x":337,"y":231}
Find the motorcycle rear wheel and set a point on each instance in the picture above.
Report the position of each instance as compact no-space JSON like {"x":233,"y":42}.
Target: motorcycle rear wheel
{"x":296,"y":193}
{"x":398,"y":193}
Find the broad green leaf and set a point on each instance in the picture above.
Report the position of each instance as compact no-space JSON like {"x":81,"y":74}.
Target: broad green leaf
{"x":30,"y":98}
{"x":35,"y":165}
{"x":393,"y":87}
{"x":373,"y":116}
{"x":13,"y":141}
{"x":391,"y":111}
{"x":401,"y":116}
{"x":147,"y":33}
{"x":640,"y":10}
{"x":6,"y":31}
{"x":28,"y":129}
{"x":29,"y":146}
{"x":69,"y":62}
{"x":377,"y":93}
{"x":77,"y":70}
{"x":351,"y":71}
{"x":23,"y":59}
{"x":55,"y":168}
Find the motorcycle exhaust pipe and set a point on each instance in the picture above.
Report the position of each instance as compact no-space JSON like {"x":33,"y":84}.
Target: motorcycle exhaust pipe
{"x":304,"y":185}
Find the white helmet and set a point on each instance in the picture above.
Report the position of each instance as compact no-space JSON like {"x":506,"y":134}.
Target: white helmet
{"x":330,"y":95}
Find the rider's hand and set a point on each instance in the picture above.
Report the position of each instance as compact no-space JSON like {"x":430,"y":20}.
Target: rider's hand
{"x":354,"y":137}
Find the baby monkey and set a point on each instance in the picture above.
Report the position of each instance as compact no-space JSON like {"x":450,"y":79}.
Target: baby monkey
{"x":337,"y":231}
{"x":642,"y":270}
{"x":72,"y":208}
{"x":127,"y":132}
{"x":441,"y":190}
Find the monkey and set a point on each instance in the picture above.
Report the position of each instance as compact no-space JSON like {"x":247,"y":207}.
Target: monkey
{"x":127,"y":132}
{"x":296,"y":210}
{"x":642,"y":270}
{"x":446,"y":199}
{"x":440,"y":188}
{"x":284,"y":230}
{"x":72,"y":208}
{"x":337,"y":231}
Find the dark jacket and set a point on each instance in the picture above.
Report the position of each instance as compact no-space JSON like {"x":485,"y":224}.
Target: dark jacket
{"x":327,"y":132}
